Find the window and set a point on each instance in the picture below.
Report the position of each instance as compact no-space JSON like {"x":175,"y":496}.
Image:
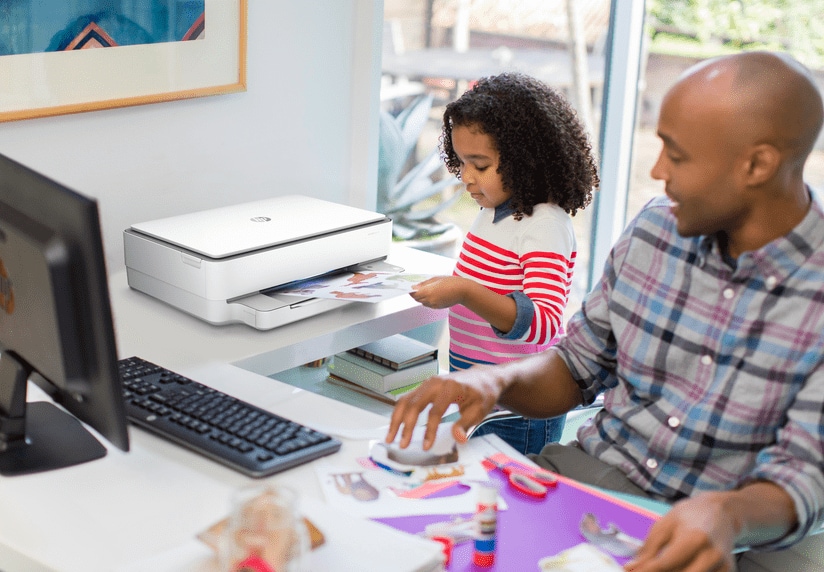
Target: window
{"x":679,"y":34}
{"x":436,"y":48}
{"x":430,"y":44}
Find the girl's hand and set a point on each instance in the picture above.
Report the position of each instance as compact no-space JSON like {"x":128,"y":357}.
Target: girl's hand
{"x":441,"y":291}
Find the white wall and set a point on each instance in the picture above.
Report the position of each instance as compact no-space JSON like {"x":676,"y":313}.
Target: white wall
{"x":306,"y":124}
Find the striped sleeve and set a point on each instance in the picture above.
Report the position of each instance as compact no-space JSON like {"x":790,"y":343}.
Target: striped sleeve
{"x":530,"y":260}
{"x":546,"y":247}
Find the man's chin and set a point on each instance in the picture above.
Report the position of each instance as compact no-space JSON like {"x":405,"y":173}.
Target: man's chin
{"x":685,"y":230}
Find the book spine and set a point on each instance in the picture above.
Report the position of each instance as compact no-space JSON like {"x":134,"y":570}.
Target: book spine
{"x":357,"y":374}
{"x":401,"y":391}
{"x":378,"y":378}
{"x":360,"y":352}
{"x":389,"y":397}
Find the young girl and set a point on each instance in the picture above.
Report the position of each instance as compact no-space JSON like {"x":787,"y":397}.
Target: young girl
{"x":525,"y":158}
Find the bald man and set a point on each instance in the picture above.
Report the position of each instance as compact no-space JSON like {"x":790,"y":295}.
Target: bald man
{"x":705,"y":333}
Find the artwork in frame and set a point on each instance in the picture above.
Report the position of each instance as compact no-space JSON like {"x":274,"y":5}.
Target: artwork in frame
{"x":59,"y":57}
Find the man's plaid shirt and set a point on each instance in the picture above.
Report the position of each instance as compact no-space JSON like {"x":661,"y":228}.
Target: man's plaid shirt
{"x":712,"y":373}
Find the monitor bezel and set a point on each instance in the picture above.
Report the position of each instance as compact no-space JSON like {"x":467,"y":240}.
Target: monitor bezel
{"x":87,"y":384}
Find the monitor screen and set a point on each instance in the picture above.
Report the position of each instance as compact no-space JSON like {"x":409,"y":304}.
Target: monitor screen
{"x":55,"y":327}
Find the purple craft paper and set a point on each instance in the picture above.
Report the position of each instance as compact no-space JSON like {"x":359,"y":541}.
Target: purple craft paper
{"x":531,"y":529}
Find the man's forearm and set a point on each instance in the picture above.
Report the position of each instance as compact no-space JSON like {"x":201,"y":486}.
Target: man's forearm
{"x":764,"y":512}
{"x":539,"y":386}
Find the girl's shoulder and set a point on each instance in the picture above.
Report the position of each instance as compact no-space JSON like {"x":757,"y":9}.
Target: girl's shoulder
{"x":543,"y":212}
{"x":548,"y":228}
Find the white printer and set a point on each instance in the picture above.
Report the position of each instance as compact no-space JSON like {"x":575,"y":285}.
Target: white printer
{"x":220,"y":264}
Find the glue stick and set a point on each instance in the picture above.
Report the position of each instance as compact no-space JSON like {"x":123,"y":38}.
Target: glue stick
{"x":486,"y":521}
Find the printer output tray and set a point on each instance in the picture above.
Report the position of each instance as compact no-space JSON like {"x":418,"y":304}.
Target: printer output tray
{"x":261,"y":311}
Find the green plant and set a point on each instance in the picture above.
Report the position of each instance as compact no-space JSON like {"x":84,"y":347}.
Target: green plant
{"x":787,"y":25}
{"x":411,"y":196}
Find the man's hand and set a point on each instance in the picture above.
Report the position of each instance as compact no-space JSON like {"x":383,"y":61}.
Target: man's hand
{"x":700,"y":533}
{"x":474,"y":400}
{"x":537,"y":386}
{"x":697,"y":535}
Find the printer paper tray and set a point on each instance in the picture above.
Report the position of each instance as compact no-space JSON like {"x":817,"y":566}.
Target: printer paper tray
{"x":261,"y":311}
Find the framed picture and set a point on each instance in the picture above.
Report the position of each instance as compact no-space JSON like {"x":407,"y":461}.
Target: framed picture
{"x":60,"y":57}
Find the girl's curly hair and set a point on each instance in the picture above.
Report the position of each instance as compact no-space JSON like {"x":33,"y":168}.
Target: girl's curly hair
{"x":545,"y":154}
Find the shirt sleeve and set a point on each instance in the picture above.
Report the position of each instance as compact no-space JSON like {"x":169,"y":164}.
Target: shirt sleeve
{"x":795,"y":460}
{"x":524,"y":315}
{"x":588,"y":348}
{"x":546,"y":249}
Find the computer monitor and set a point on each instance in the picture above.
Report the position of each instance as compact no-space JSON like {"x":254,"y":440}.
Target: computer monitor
{"x":55,"y":327}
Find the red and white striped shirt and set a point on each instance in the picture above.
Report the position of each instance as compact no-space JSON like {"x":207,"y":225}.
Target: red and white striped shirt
{"x":532,"y":260}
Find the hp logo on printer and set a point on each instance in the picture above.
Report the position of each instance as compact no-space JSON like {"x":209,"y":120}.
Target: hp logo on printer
{"x":260,"y":219}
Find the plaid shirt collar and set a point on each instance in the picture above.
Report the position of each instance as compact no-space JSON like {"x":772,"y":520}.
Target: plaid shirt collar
{"x":779,"y":258}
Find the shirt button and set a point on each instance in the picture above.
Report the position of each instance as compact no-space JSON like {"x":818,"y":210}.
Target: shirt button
{"x":729,"y":293}
{"x":673,"y":422}
{"x":706,"y":360}
{"x":652,"y":463}
{"x":771,"y":282}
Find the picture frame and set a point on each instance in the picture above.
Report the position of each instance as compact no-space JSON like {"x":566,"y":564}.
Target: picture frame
{"x":63,"y":82}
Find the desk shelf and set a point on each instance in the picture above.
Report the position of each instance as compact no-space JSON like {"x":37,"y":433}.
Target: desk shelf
{"x":314,"y":379}
{"x":155,"y":331}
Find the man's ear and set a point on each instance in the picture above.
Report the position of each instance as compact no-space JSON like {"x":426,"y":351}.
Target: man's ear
{"x":762,"y":163}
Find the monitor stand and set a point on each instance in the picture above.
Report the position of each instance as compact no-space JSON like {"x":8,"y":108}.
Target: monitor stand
{"x":37,"y":436}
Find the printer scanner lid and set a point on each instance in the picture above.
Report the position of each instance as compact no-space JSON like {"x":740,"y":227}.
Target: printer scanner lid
{"x":231,"y":230}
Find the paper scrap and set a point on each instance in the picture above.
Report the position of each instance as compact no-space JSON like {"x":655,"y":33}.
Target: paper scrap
{"x":580,"y":558}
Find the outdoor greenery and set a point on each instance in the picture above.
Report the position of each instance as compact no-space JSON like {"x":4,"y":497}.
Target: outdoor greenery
{"x":709,"y":27}
{"x":412,"y":192}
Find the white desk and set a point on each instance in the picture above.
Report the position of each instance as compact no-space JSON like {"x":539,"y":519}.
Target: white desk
{"x":141,"y":510}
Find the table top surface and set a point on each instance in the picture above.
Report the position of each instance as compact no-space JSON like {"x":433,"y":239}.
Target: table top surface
{"x":143,"y":509}
{"x":117,"y":511}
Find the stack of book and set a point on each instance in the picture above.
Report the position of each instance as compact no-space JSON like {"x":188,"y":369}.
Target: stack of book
{"x":385,"y":369}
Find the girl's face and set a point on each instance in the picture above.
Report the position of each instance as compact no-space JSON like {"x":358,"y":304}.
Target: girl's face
{"x":479,"y":158}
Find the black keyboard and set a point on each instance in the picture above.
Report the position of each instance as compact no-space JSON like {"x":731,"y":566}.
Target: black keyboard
{"x":237,"y":434}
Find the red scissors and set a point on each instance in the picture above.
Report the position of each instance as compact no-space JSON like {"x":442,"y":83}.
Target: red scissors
{"x":532,"y":482}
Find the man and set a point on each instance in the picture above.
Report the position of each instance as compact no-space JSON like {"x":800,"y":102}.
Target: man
{"x":705,"y":332}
